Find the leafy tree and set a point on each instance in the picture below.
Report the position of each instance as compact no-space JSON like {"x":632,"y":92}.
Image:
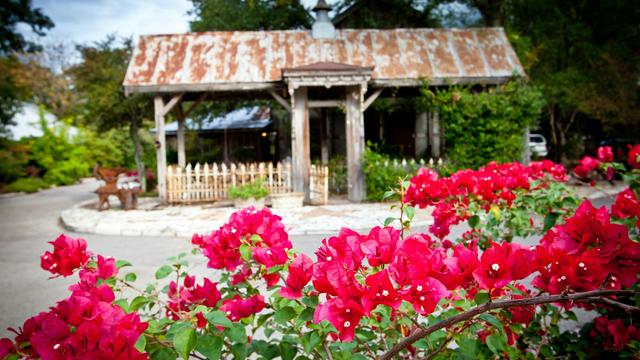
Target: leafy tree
{"x":12,"y":13}
{"x":384,"y":14}
{"x":98,"y":80}
{"x":582,"y":54}
{"x":248,"y":15}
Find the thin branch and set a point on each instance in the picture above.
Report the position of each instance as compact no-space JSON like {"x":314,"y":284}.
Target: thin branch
{"x":499,"y":304}
{"x":194,"y":355}
{"x":327,"y":350}
{"x":603,"y":300}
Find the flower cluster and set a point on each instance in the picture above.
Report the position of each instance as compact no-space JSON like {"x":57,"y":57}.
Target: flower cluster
{"x":182,"y":298}
{"x":586,"y":253}
{"x":86,"y":325}
{"x":68,"y":255}
{"x":626,"y":206}
{"x":492,"y":184}
{"x":614,"y":333}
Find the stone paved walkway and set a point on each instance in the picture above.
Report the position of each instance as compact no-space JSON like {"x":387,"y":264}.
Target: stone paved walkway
{"x":152,"y":219}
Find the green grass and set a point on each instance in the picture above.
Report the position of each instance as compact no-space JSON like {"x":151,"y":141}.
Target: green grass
{"x":27,"y":185}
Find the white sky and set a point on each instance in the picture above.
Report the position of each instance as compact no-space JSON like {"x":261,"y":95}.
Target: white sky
{"x":82,"y":21}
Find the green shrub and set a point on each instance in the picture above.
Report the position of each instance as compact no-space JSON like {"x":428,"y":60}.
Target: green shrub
{"x":381,"y":174}
{"x":27,"y":185}
{"x":480,"y":127}
{"x":251,"y":190}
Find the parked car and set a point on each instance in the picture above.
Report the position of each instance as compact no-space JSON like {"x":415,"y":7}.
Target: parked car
{"x":538,"y":145}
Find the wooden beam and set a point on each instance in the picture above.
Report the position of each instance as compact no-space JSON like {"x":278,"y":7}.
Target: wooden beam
{"x":325,"y":103}
{"x":355,"y":143}
{"x":195,"y":103}
{"x":280,"y":100}
{"x":420,"y":133}
{"x":182,"y":161}
{"x":174,"y":100}
{"x":371,"y":99}
{"x":300,"y":146}
{"x":161,"y":151}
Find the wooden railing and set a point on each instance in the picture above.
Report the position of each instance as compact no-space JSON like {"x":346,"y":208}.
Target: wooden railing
{"x":211,"y":182}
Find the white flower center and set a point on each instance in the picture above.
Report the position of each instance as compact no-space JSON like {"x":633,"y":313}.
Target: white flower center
{"x":328,"y":258}
{"x":385,"y":293}
{"x":347,"y":324}
{"x":233,"y":230}
{"x":421,"y":298}
{"x":56,"y":346}
{"x":495,"y":267}
{"x":582,"y":265}
{"x":613,"y":278}
{"x":419,"y":287}
{"x":228,"y":312}
{"x":268,"y":252}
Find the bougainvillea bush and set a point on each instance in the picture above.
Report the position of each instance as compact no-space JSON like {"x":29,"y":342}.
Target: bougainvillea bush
{"x":390,"y":292}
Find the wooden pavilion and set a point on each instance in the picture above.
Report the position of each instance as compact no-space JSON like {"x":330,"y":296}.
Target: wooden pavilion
{"x":303,"y":69}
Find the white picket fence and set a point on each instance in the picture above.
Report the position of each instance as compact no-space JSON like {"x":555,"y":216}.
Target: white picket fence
{"x":211,"y":182}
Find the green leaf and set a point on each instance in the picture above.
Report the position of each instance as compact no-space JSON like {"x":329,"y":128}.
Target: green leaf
{"x":268,"y":351}
{"x":245,"y":252}
{"x":130,"y":277}
{"x":162,"y":353}
{"x":550,"y":221}
{"x":122,"y":263}
{"x":236,"y":333}
{"x":389,"y":220}
{"x":163,"y":272}
{"x":138,"y":302}
{"x":141,"y":343}
{"x":210,"y":346}
{"x":492,"y":320}
{"x":218,"y":318}
{"x":496,"y":343}
{"x":310,"y":340}
{"x":275,"y":269}
{"x":410,"y":211}
{"x":306,"y":315}
{"x":287,"y":350}
{"x":184,"y":341}
{"x":123,"y":304}
{"x":283,"y":315}
{"x":388,"y":194}
{"x":481,"y":297}
{"x":474,"y":221}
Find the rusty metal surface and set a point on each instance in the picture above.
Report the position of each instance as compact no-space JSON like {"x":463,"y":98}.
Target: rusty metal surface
{"x":246,"y":59}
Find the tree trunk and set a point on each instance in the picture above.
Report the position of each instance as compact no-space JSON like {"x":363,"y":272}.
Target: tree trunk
{"x":137,"y":154}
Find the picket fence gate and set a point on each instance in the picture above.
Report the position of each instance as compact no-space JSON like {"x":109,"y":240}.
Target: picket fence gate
{"x":211,"y":182}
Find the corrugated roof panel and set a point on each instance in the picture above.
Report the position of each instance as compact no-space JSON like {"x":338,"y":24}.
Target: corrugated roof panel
{"x":238,"y":58}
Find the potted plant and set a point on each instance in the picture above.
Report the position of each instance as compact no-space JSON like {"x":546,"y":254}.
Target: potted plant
{"x":252,"y":193}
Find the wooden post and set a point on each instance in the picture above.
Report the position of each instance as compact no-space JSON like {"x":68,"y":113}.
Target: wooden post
{"x":421,"y":134}
{"x":435,"y":133}
{"x":355,"y":143}
{"x":225,"y":150}
{"x":526,"y":151}
{"x":300,"y":147}
{"x":324,"y":139}
{"x":161,"y":151}
{"x":182,"y":161}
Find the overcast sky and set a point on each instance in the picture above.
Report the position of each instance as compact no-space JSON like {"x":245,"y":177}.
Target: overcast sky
{"x":82,"y":21}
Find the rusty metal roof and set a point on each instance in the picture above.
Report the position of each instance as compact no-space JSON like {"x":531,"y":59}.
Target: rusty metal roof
{"x":250,"y":60}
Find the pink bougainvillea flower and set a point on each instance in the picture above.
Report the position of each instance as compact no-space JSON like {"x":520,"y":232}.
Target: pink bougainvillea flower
{"x":68,"y":254}
{"x":460,"y":267}
{"x":380,"y":245}
{"x":270,"y":256}
{"x":633,"y":158}
{"x":424,"y":294}
{"x":6,"y":347}
{"x":626,"y":205}
{"x":241,"y":275}
{"x":614,"y":333}
{"x":271,"y":279}
{"x":344,"y":315}
{"x":503,"y":263}
{"x":380,"y":290}
{"x":413,"y":260}
{"x":300,"y":273}
{"x":239,"y":308}
{"x":106,"y":267}
{"x":605,"y":154}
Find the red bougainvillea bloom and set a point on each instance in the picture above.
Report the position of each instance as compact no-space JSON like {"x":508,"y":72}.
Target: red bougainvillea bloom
{"x":460,"y":267}
{"x":380,"y":245}
{"x":106,"y":267}
{"x":339,"y":258}
{"x":270,"y":256}
{"x":380,"y":290}
{"x":300,"y":273}
{"x":424,"y":294}
{"x":605,"y":154}
{"x":344,"y":315}
{"x":239,"y":308}
{"x":182,"y":298}
{"x":502,"y":263}
{"x":271,"y":279}
{"x":241,"y":275}
{"x":68,"y":254}
{"x":633,"y":158}
{"x":413,"y":260}
{"x":586,"y":166}
{"x":6,"y":347}
{"x":614,"y":333}
{"x":626,"y":205}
